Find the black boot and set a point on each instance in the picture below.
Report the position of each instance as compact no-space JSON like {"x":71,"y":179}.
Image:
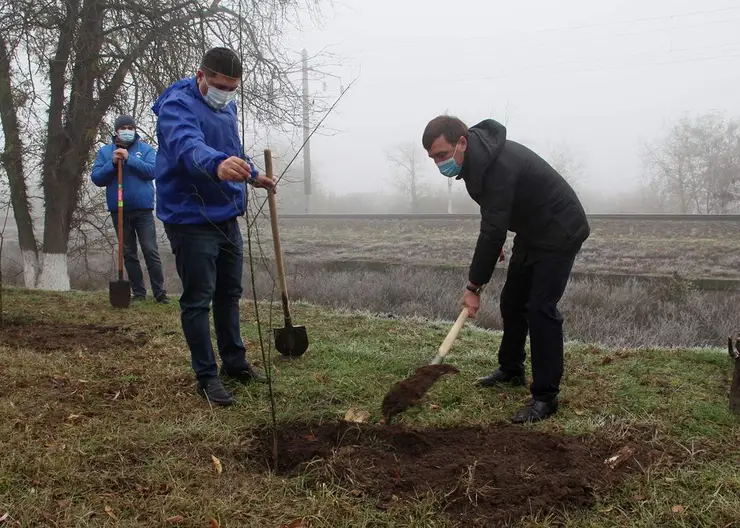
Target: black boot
{"x":246,"y":375}
{"x":213,"y":390}
{"x":535,"y":410}
{"x":163,"y":299}
{"x":498,"y":377}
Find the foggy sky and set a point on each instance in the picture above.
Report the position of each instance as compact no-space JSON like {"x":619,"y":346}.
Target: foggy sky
{"x":600,"y":77}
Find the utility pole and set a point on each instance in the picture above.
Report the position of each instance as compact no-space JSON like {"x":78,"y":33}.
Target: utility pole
{"x":306,"y":134}
{"x":449,"y":196}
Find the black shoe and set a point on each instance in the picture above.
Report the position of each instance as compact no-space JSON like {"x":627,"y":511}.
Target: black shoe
{"x":138,"y":298}
{"x":163,"y":299}
{"x":246,"y":375}
{"x":213,"y":390}
{"x":535,"y":410}
{"x":498,"y":377}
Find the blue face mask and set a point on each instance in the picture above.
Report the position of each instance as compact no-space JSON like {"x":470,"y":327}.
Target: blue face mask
{"x":449,"y":167}
{"x":218,"y":99}
{"x":127,"y":136}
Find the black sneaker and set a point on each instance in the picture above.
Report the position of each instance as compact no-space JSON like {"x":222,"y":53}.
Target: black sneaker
{"x":163,"y":299}
{"x":535,"y":410}
{"x":246,"y":375}
{"x":498,"y":377}
{"x":212,"y":389}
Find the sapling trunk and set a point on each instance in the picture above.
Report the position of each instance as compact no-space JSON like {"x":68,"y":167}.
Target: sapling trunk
{"x":734,"y":349}
{"x":735,"y":389}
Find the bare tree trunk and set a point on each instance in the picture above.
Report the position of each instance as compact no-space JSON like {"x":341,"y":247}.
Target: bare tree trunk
{"x":12,"y":160}
{"x":54,"y":274}
{"x":414,"y":195}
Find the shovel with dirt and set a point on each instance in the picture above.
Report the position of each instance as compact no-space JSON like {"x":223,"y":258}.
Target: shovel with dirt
{"x":119,"y":292}
{"x":291,"y":341}
{"x":411,"y":390}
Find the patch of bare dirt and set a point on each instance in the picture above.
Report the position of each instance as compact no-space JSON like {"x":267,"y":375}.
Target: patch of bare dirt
{"x":52,"y":336}
{"x":481,"y":476}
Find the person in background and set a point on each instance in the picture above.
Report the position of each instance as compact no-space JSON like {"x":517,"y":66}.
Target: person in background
{"x":138,"y":203}
{"x":201,"y":173}
{"x":517,"y":191}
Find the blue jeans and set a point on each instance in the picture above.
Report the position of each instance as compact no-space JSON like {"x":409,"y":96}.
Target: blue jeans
{"x":209,"y":261}
{"x":140,"y":224}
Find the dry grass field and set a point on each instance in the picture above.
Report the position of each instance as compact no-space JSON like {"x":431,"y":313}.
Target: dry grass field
{"x":424,"y":269}
{"x":691,"y":248}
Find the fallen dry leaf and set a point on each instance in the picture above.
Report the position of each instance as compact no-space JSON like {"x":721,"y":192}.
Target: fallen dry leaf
{"x":434,"y":407}
{"x":217,"y":465}
{"x":64,"y":504}
{"x":620,"y":457}
{"x":310,"y":437}
{"x":175,"y":519}
{"x":579,"y":412}
{"x":5,"y":517}
{"x":678,"y":508}
{"x":353,"y":415}
{"x":214,"y":524}
{"x":356,"y":492}
{"x":640,"y":498}
{"x":109,"y":511}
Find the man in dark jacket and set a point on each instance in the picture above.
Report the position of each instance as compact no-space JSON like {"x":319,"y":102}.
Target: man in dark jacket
{"x":138,"y":203}
{"x":201,"y":176}
{"x":517,"y":191}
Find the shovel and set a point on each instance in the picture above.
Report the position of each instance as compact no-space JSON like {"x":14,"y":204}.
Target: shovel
{"x":119,"y":291}
{"x":411,"y":390}
{"x":291,"y":341}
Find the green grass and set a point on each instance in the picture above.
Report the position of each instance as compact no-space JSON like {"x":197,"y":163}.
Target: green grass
{"x":121,"y":428}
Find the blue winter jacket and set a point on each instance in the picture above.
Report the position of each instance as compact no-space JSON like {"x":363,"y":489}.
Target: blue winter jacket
{"x":138,"y":176}
{"x":193,"y":139}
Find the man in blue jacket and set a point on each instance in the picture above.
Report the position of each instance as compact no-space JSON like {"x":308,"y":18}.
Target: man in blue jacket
{"x":138,"y":203}
{"x":201,"y":172}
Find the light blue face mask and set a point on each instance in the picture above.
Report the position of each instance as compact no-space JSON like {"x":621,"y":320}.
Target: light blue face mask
{"x":217,"y":98}
{"x":449,"y":167}
{"x":127,"y":135}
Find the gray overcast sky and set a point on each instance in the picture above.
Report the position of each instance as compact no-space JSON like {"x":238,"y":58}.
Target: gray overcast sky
{"x":600,"y":77}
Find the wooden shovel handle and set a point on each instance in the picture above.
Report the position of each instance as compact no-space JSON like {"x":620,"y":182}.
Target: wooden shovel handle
{"x":276,"y":236}
{"x":444,"y":348}
{"x":120,"y":219}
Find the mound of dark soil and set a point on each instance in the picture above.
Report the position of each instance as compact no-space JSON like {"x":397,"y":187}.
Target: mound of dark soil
{"x":56,"y":336}
{"x":480,"y":476}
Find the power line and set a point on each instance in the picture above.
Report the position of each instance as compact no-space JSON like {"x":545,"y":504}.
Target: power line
{"x":551,"y":43}
{"x":567,"y":28}
{"x":585,"y":70}
{"x":525,"y":72}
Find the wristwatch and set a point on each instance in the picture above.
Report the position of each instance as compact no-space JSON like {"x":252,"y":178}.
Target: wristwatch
{"x":475,"y":289}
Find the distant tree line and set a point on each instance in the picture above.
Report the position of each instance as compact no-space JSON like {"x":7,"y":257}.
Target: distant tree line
{"x":693,"y":169}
